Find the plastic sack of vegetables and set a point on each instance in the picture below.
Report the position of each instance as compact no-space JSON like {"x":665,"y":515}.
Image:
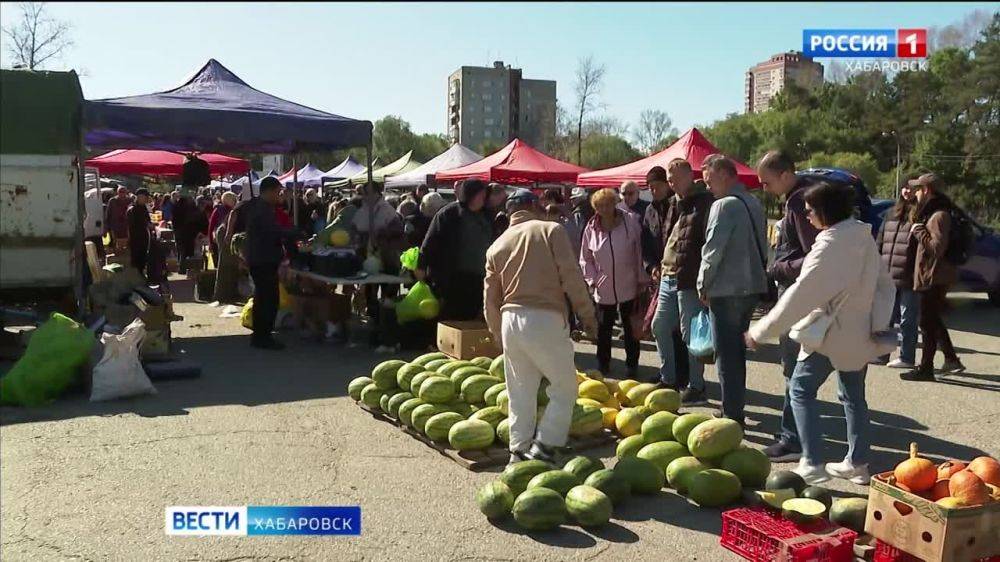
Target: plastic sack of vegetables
{"x":55,"y":353}
{"x":702,"y":343}
{"x":410,"y":258}
{"x":246,"y":315}
{"x":419,"y":304}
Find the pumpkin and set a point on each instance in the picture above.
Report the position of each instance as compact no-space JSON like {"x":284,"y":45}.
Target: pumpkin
{"x":940,"y":490}
{"x":916,"y":473}
{"x":947,"y":468}
{"x":968,"y":488}
{"x":987,"y":469}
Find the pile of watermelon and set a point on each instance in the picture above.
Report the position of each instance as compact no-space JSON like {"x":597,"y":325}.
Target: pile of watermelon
{"x":461,"y":403}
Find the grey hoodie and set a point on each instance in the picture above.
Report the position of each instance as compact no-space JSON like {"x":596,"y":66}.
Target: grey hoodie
{"x":731,"y":263}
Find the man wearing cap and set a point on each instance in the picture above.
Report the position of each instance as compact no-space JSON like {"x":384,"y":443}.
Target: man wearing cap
{"x":530,"y":272}
{"x":139,"y":227}
{"x":629,"y":191}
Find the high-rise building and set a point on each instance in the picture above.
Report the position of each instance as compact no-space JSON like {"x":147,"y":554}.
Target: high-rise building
{"x":496,"y":105}
{"x":766,"y":79}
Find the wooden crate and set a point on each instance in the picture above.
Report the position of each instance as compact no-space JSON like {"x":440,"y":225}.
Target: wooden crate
{"x":494,"y":456}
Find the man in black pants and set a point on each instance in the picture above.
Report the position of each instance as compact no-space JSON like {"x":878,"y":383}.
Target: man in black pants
{"x":264,"y":251}
{"x":139,"y":229}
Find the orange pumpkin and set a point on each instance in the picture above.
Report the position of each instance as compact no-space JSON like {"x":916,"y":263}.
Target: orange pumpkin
{"x":940,"y":490}
{"x":987,"y":469}
{"x":915,"y":473}
{"x":968,"y":488}
{"x":947,"y":468}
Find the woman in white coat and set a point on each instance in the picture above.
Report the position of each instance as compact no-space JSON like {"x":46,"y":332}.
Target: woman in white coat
{"x":842,"y":278}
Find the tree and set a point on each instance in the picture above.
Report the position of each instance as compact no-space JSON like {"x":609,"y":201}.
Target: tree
{"x":589,"y":81}
{"x":36,"y":38}
{"x":655,"y":126}
{"x":488,"y":147}
{"x":605,"y":151}
{"x":605,"y":125}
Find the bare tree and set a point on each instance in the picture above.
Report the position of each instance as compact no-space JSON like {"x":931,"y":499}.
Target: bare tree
{"x":607,"y":125}
{"x":36,"y":37}
{"x":589,"y":81}
{"x":962,"y":34}
{"x":654,"y":126}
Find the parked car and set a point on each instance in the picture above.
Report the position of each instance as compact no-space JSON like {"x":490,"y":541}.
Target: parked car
{"x":981,"y":274}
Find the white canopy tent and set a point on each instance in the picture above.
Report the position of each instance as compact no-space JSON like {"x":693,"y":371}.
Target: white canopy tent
{"x":455,"y":157}
{"x":346,"y":169}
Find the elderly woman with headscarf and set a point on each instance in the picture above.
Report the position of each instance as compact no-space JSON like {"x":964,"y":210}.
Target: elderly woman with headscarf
{"x":218,"y":219}
{"x":453,"y":255}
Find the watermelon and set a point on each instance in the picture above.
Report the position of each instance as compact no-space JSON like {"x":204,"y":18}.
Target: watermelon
{"x":714,"y":438}
{"x":406,"y":373}
{"x":460,"y":407}
{"x":357,"y":385}
{"x":464,"y":373}
{"x":657,"y":427}
{"x":497,"y":369}
{"x":467,"y":435}
{"x":850,"y":513}
{"x":644,"y":476}
{"x":543,"y":393}
{"x":428,"y":357}
{"x":384,"y":373}
{"x":750,"y":465}
{"x":438,"y":425}
{"x":517,"y":475}
{"x":663,"y":400}
{"x":491,"y":415}
{"x":630,"y":446}
{"x":587,"y":420}
{"x":662,"y":453}
{"x":589,"y":506}
{"x":495,"y":500}
{"x":539,"y":509}
{"x":474,"y":388}
{"x":616,"y":487}
{"x":503,"y":431}
{"x":588,"y":402}
{"x":424,"y":412}
{"x":714,"y":487}
{"x":383,"y":403}
{"x":483,"y":363}
{"x":418,"y":380}
{"x":448,"y":368}
{"x":582,"y":466}
{"x":371,"y":396}
{"x":503,"y":402}
{"x":784,"y":480}
{"x":436,"y":390}
{"x":490,"y":396}
{"x":406,"y":410}
{"x":558,"y":480}
{"x":595,"y":390}
{"x":395,"y":402}
{"x":680,"y":471}
{"x":433,"y":364}
{"x":683,"y":425}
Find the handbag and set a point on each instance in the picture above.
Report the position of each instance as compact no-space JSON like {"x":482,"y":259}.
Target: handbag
{"x":641,"y":317}
{"x":770,"y":294}
{"x":811,"y":330}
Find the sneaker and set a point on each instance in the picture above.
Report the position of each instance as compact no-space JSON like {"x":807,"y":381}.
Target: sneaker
{"x":783,"y":451}
{"x":516,"y":457}
{"x":847,"y":471}
{"x":812,"y":474}
{"x":900,"y":364}
{"x":693,"y":397}
{"x":918,"y":375}
{"x":540,"y":452}
{"x":269,"y":344}
{"x":952,"y":367}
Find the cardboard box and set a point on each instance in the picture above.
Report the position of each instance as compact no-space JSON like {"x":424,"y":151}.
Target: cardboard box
{"x":928,"y":531}
{"x":466,"y":340}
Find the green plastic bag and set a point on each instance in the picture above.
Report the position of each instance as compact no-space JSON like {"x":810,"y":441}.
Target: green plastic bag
{"x":56,"y":351}
{"x":410,"y":258}
{"x":419,"y":303}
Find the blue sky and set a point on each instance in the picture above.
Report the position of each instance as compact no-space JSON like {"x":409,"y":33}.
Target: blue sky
{"x":370,"y":60}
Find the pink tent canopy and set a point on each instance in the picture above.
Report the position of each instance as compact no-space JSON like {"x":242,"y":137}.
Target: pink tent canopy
{"x":163,"y":163}
{"x":692,"y":146}
{"x":516,"y":163}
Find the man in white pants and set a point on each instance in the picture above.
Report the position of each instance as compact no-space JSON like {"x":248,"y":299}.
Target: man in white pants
{"x":531,"y":269}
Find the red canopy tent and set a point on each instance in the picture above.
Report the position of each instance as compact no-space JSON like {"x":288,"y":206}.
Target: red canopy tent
{"x":516,"y":163}
{"x":163,"y":163}
{"x":692,"y":146}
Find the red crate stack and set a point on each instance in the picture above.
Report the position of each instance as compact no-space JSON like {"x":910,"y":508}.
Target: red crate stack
{"x":761,"y":535}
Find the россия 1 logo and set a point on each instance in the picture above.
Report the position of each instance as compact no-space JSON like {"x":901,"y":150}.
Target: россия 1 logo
{"x":864,"y":43}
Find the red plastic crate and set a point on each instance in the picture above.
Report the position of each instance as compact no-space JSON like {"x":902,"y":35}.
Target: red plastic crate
{"x":760,"y":535}
{"x":885,"y":552}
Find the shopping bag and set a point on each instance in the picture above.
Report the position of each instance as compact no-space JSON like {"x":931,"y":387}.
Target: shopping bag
{"x":410,"y":258}
{"x":640,"y":318}
{"x":119,"y":373}
{"x":702,"y":343}
{"x":50,"y":365}
{"x":246,"y":316}
{"x":419,"y":303}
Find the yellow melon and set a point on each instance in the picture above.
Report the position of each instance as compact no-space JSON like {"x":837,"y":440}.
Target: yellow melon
{"x":594,"y":390}
{"x":609,"y":415}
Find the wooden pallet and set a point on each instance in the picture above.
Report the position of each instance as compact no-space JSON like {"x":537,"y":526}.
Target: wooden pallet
{"x":494,"y":456}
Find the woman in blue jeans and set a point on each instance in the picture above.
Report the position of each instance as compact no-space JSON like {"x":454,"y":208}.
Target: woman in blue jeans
{"x":844,"y":280}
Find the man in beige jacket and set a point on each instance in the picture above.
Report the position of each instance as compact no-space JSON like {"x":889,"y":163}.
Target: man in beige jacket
{"x":530,"y":271}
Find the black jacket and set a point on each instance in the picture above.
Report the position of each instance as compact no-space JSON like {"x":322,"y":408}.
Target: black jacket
{"x":795,"y":237}
{"x":443,"y":242}
{"x":265,"y":238}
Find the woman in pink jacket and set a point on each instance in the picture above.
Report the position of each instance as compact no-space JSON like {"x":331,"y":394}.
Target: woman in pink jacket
{"x":611,"y":259}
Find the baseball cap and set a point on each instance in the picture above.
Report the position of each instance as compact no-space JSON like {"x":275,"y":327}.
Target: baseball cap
{"x":930,"y":179}
{"x":522,"y":195}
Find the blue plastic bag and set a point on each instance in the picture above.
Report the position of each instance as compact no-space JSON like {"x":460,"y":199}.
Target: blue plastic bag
{"x":702,"y":344}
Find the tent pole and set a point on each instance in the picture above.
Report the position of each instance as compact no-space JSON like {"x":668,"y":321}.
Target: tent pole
{"x":295,"y":186}
{"x":370,"y":192}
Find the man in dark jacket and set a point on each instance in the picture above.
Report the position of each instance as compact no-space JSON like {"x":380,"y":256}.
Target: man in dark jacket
{"x":683,"y":235}
{"x":116,"y":222}
{"x":264,"y":251}
{"x":796,"y":235}
{"x":453,"y":255}
{"x":654,"y":221}
{"x":189,"y":221}
{"x":139,"y":227}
